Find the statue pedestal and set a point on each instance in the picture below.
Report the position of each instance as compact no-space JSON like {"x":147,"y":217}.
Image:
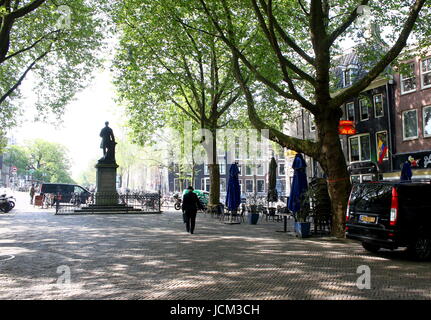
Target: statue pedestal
{"x":106,"y":178}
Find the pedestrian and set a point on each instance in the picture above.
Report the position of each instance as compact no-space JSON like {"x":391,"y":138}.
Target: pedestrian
{"x":406,"y":171}
{"x":190,"y":207}
{"x":32,"y":193}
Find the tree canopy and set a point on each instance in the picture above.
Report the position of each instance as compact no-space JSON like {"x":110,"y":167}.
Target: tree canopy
{"x":42,"y":160}
{"x":302,"y":42}
{"x":283,"y":49}
{"x":57,"y":42}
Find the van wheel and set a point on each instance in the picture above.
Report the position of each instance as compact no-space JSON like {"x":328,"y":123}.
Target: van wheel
{"x":420,"y":248}
{"x":370,"y":247}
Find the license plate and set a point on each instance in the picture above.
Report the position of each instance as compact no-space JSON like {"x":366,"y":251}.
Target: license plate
{"x":367,"y":219}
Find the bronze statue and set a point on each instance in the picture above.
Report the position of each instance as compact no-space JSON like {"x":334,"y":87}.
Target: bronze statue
{"x":108,"y":144}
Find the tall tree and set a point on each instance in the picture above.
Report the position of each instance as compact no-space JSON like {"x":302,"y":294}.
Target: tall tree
{"x":57,"y":42}
{"x":301,"y":40}
{"x":45,"y":161}
{"x":164,"y":63}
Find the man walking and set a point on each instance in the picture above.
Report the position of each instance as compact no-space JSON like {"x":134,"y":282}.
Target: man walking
{"x":190,"y":207}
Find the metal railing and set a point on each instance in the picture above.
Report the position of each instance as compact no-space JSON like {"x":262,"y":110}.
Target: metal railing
{"x":92,"y":203}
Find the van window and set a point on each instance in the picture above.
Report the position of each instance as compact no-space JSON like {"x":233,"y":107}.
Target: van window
{"x":78,"y":189}
{"x":371,"y":197}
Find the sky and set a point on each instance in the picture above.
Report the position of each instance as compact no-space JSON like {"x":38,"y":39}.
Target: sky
{"x":82,"y":121}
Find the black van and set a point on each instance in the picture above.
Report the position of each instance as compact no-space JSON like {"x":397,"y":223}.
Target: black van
{"x":391,"y":215}
{"x":67,"y":191}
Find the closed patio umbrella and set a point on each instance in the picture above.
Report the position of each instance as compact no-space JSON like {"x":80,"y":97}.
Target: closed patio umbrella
{"x":272,"y":181}
{"x":233,"y":194}
{"x":299,"y":183}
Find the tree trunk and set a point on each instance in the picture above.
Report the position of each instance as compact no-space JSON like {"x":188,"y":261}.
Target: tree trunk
{"x":214,"y":172}
{"x":334,"y":165}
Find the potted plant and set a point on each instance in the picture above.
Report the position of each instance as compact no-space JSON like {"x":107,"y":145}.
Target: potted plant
{"x":302,"y":226}
{"x":253,"y":215}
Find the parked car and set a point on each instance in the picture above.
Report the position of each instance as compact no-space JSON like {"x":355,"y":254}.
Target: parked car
{"x":67,"y":192}
{"x":391,"y":215}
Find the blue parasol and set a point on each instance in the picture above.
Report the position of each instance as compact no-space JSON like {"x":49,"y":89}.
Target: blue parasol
{"x":299,"y":183}
{"x":233,"y":195}
{"x":406,"y":171}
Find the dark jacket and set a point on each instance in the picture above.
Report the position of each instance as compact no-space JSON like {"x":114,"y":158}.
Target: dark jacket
{"x":191,"y":203}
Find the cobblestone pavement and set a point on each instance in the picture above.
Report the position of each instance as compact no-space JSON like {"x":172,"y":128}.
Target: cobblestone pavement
{"x":152,"y":257}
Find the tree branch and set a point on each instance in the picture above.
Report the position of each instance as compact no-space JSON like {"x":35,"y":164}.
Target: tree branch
{"x":343,"y":27}
{"x":360,"y":85}
{"x":185,"y":111}
{"x":26,"y":9}
{"x":18,"y":83}
{"x":304,"y":146}
{"x":270,"y":35}
{"x":244,"y":60}
{"x":303,"y":8}
{"x":29,"y":47}
{"x":288,"y":40}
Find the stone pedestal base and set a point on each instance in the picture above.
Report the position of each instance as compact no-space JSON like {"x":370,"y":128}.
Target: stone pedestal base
{"x":106,"y":177}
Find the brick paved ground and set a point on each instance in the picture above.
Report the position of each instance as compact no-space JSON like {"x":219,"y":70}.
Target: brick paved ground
{"x":151,"y":257}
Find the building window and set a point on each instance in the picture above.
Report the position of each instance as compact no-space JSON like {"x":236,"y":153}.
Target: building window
{"x":281,"y":152}
{"x":381,"y":140}
{"x":281,"y":170}
{"x":222,"y":168}
{"x":350,"y":110}
{"x":426,"y":73}
{"x":223,"y":185}
{"x":206,"y":169}
{"x":408,"y":80}
{"x":249,"y":186}
{"x":260,"y":185}
{"x":237,"y":148}
{"x":259,"y":151}
{"x":349,"y":76}
{"x":410,"y":124}
{"x":343,"y":110}
{"x":205,"y":184}
{"x":248,"y":170}
{"x":347,"y":79}
{"x":259,"y":170}
{"x":360,"y":148}
{"x":378,"y":105}
{"x":427,"y":121}
{"x":364,"y":107}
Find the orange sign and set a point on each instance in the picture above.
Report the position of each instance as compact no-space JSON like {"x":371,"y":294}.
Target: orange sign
{"x":346,"y":128}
